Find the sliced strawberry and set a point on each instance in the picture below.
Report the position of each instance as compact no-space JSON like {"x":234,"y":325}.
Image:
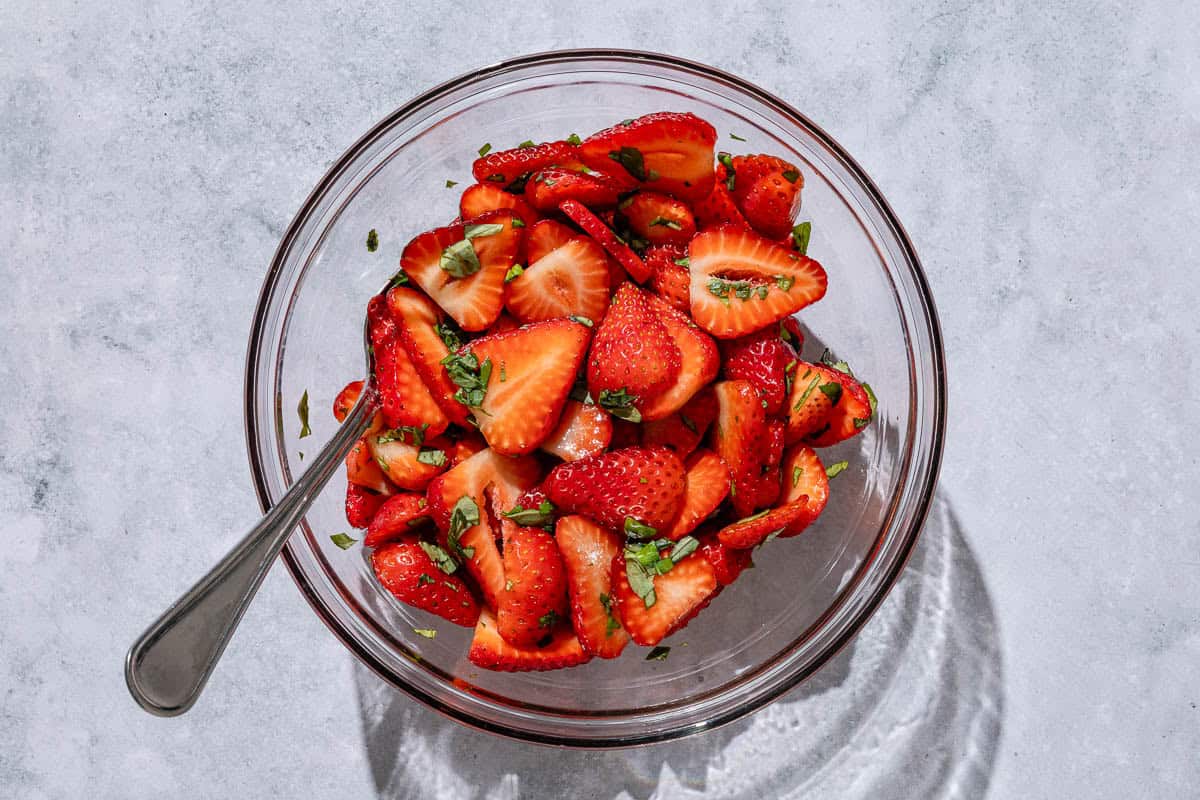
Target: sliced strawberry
{"x":668,"y":152}
{"x":851,"y":412}
{"x":727,"y":563}
{"x":475,"y":299}
{"x":699,"y":361}
{"x":363,"y":470}
{"x":571,"y":280}
{"x":405,"y":398}
{"x":669,"y":279}
{"x":739,"y":279}
{"x":545,"y":236}
{"x":764,"y":359}
{"x":490,"y":651}
{"x":755,"y":529}
{"x":772,"y":202}
{"x":596,"y":228}
{"x":707,"y":485}
{"x":502,"y":167}
{"x":678,"y":596}
{"x":534,"y":599}
{"x":764,"y":491}
{"x":362,"y":505}
{"x":644,"y":483}
{"x":816,"y":388}
{"x":408,"y":572}
{"x":583,"y":430}
{"x":421,"y":325}
{"x":683,"y":430}
{"x":719,"y":207}
{"x":737,"y":437}
{"x":804,"y":478}
{"x":532,"y":370}
{"x":481,"y":198}
{"x":407,"y":458}
{"x":588,"y":551}
{"x":401,"y":515}
{"x":658,"y":219}
{"x":632,"y":351}
{"x":346,"y":399}
{"x":548,"y":188}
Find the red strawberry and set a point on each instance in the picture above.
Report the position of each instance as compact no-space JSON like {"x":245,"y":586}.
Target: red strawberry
{"x":749,"y":169}
{"x":475,"y":299}
{"x":588,"y":551}
{"x":407,"y":458}
{"x":699,"y":361}
{"x":346,"y":399}
{"x":534,"y":600}
{"x":409,"y":573}
{"x":772,"y":202}
{"x":484,"y":197}
{"x":571,"y":280}
{"x":755,"y":529}
{"x":804,"y":478}
{"x":583,"y":430}
{"x":490,"y":651}
{"x":707,"y":485}
{"x":418,"y":322}
{"x":633,"y":351}
{"x":667,"y":152}
{"x":678,"y":596}
{"x":399,"y":516}
{"x":669,"y":279}
{"x":683,"y":430}
{"x":545,"y":236}
{"x":362,"y":469}
{"x":532,"y":370}
{"x":764,"y":491}
{"x":727,"y":563}
{"x":852,"y":409}
{"x":644,"y":483}
{"x":502,"y":167}
{"x":719,"y":208}
{"x":764,"y":359}
{"x":822,"y":396}
{"x":737,"y":437}
{"x":596,"y":228}
{"x":405,"y":398}
{"x":361,"y":505}
{"x":658,"y":219}
{"x":549,"y":187}
{"x":739,"y":279}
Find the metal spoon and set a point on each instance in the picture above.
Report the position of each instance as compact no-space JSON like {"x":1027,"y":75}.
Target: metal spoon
{"x":167,"y":667}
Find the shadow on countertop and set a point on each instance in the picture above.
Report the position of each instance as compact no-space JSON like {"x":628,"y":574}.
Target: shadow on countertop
{"x":913,"y":708}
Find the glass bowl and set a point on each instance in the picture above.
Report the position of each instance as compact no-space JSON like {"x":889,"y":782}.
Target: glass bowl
{"x":806,"y":597}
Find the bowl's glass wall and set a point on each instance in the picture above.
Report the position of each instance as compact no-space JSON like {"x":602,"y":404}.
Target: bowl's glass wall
{"x":804,"y":596}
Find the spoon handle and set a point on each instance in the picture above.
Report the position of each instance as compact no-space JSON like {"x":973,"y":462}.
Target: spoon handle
{"x":167,"y":667}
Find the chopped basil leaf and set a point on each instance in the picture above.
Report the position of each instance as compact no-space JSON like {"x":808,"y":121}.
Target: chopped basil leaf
{"x":440,"y":557}
{"x":612,"y":624}
{"x":342,"y":540}
{"x":652,"y":175}
{"x":684,"y":548}
{"x":582,"y":320}
{"x":800,"y":237}
{"x":642,"y":480}
{"x":548,"y":620}
{"x":428,"y":633}
{"x":432,"y":456}
{"x":483,"y":151}
{"x":464,"y":515}
{"x":405,"y":433}
{"x":625,"y":123}
{"x":399,"y":279}
{"x":482,"y":229}
{"x":659,"y":653}
{"x":574,"y":139}
{"x":503,"y":372}
{"x":862,"y":423}
{"x":663,"y":566}
{"x":688,"y":423}
{"x":517,"y":222}
{"x":807,"y":391}
{"x":763,"y":291}
{"x":451,"y":184}
{"x":579,"y":391}
{"x":833,"y":391}
{"x":727,"y":161}
{"x":460,"y":259}
{"x":619,"y":404}
{"x":683,"y":262}
{"x":497,"y":178}
{"x":631,"y":159}
{"x":424,"y":579}
{"x":641,"y":580}
{"x":301,"y":454}
{"x":372,"y":240}
{"x":791,"y":175}
{"x":514,"y":272}
{"x":302,"y":412}
{"x":785,"y":282}
{"x":450,"y":335}
{"x":796,"y":473}
{"x":665,"y":223}
{"x":635,"y":529}
{"x":771,"y":536}
{"x":754,"y":517}
{"x":833,"y":470}
{"x":525,"y":144}
{"x":733,"y":488}
{"x":742,"y":290}
{"x":736,"y":138}
{"x":471,"y":378}
{"x":841,"y":366}
{"x":531,"y":517}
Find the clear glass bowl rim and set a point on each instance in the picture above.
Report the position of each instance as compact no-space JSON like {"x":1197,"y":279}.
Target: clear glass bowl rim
{"x":928,"y":316}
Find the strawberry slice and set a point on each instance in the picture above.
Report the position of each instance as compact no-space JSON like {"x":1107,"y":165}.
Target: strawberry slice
{"x":719,"y":207}
{"x":490,"y":651}
{"x":646,"y":484}
{"x":825,"y":405}
{"x":583,"y":430}
{"x":361,"y":505}
{"x":407,"y":458}
{"x":401,"y":515}
{"x":588,"y":551}
{"x":772,"y":202}
{"x":755,"y":529}
{"x":737,"y":437}
{"x":683,"y":430}
{"x":404,"y":397}
{"x":764,"y":491}
{"x":545,"y":236}
{"x":658,"y":219}
{"x":763,"y":359}
{"x":481,"y":198}
{"x":571,"y":280}
{"x":667,"y":152}
{"x":346,"y":399}
{"x":462,"y":266}
{"x":804,"y":478}
{"x":503,"y":167}
{"x":549,"y":187}
{"x":407,"y":571}
{"x":669,"y":279}
{"x":596,"y":228}
{"x":526,"y":375}
{"x":742,"y":282}
{"x":363,"y":470}
{"x":633,"y":351}
{"x":851,"y":410}
{"x":707,"y":485}
{"x":699,"y":361}
{"x":727,"y":563}
{"x":534,"y":599}
{"x":677,"y":597}
{"x":422,"y":326}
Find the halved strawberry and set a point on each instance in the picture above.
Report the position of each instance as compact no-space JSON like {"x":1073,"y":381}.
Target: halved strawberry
{"x":683,"y":430}
{"x":632,"y":351}
{"x":588,"y":551}
{"x":408,"y":572}
{"x":668,"y":152}
{"x":727,"y":563}
{"x":596,"y":228}
{"x":346,"y":399}
{"x":764,"y":359}
{"x":816,"y":390}
{"x":502,"y":167}
{"x":852,"y":409}
{"x":490,"y":651}
{"x":481,"y":198}
{"x":401,"y":515}
{"x":668,"y":278}
{"x":742,"y":282}
{"x":404,"y":397}
{"x":748,"y":169}
{"x":362,"y":469}
{"x":530,"y":373}
{"x":707,"y":485}
{"x":755,"y":529}
{"x":804,"y":477}
{"x":737,"y":437}
{"x":719,"y":208}
{"x":772,"y":202}
{"x":658,"y":219}
{"x":645,"y":483}
{"x":583,"y":430}
{"x":548,"y":188}
{"x":764,"y":491}
{"x":462,"y":266}
{"x":678,"y":596}
{"x":407,"y":458}
{"x":421,"y":326}
{"x":699,"y":361}
{"x":571,"y":280}
{"x":534,"y":600}
{"x":545,"y":236}
{"x":362,"y":504}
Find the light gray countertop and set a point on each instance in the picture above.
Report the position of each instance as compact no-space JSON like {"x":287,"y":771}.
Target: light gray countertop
{"x":1045,"y":641}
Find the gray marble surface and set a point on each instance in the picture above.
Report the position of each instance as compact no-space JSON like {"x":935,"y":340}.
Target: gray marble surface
{"x":1045,"y":642}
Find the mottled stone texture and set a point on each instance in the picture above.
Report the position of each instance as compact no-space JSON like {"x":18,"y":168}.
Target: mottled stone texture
{"x":1044,"y":644}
